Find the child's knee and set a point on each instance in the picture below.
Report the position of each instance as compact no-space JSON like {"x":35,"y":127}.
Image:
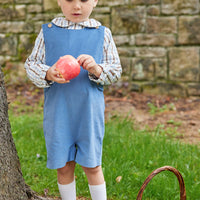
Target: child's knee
{"x":68,"y":168}
{"x":92,"y":171}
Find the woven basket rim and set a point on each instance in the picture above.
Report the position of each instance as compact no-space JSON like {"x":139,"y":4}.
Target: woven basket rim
{"x":157,"y":171}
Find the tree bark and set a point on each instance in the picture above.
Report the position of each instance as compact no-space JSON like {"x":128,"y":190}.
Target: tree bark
{"x":12,"y":184}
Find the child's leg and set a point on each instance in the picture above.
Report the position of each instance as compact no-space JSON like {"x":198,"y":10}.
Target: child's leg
{"x":66,"y":174}
{"x":96,"y":182}
{"x":66,"y":181}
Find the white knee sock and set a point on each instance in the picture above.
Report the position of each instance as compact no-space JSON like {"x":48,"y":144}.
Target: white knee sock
{"x":98,"y":192}
{"x":68,"y":192}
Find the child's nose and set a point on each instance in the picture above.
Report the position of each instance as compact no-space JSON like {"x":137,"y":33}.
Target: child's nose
{"x":77,"y":5}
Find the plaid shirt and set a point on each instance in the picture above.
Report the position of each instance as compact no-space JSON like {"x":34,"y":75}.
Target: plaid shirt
{"x":35,"y":64}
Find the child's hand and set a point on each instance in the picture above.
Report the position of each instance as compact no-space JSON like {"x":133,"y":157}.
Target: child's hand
{"x":88,"y":63}
{"x":53,"y":75}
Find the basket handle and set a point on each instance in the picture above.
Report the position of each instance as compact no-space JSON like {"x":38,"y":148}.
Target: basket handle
{"x":155,"y":172}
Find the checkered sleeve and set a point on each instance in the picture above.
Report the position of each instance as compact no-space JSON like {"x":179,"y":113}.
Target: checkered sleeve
{"x":34,"y":65}
{"x":110,"y":63}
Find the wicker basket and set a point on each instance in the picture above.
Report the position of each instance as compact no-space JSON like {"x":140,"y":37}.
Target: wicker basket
{"x":155,"y":172}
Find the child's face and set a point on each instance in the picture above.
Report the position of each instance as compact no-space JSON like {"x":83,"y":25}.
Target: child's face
{"x":77,"y":10}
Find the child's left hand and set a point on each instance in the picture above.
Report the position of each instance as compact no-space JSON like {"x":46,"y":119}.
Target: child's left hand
{"x":88,"y":63}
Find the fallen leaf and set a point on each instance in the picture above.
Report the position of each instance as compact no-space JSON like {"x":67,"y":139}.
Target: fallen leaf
{"x":118,"y":179}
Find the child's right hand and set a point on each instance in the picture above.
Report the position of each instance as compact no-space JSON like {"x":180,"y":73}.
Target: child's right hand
{"x":53,"y":75}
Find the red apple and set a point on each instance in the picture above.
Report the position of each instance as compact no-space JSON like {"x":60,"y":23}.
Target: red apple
{"x":68,"y":67}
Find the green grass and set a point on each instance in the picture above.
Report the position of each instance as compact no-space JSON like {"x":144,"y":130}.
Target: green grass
{"x":128,"y":152}
{"x":154,"y":109}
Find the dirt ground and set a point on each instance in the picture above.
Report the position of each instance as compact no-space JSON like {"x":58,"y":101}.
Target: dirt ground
{"x":179,"y":116}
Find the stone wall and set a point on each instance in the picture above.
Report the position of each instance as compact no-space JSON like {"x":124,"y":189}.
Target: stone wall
{"x":158,"y":40}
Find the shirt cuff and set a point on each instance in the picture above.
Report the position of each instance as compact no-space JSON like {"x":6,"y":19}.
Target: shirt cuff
{"x":43,"y":75}
{"x":99,"y":80}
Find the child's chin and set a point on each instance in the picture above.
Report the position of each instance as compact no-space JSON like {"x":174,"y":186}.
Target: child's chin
{"x":77,"y":19}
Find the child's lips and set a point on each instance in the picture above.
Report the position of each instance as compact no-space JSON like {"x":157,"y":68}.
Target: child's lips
{"x":76,"y":14}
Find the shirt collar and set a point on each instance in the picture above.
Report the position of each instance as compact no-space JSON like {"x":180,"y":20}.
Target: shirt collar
{"x":62,"y":22}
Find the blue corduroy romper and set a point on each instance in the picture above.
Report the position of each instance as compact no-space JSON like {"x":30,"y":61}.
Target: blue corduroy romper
{"x":73,"y":112}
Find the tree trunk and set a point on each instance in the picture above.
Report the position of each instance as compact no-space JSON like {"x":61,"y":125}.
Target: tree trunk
{"x":12,"y":184}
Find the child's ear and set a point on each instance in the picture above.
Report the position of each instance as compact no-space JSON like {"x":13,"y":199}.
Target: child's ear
{"x":58,"y":2}
{"x":95,"y":2}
